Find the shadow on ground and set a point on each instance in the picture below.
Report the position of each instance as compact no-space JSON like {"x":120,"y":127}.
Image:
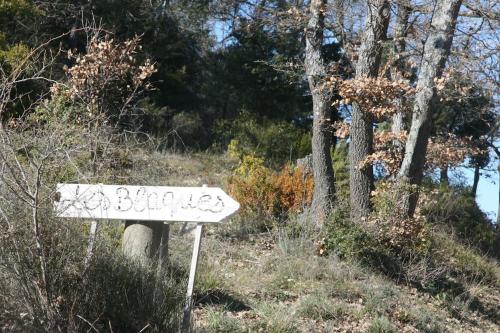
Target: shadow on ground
{"x":454,"y":292}
{"x":220,"y":297}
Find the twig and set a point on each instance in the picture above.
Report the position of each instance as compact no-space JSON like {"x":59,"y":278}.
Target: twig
{"x":144,"y":328}
{"x":88,"y":322}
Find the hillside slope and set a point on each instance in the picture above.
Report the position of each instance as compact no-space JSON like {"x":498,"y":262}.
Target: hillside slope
{"x":275,"y":281}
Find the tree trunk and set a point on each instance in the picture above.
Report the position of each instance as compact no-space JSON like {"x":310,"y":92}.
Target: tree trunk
{"x":397,"y":70}
{"x":398,"y":119}
{"x":498,"y":209}
{"x":142,"y":241}
{"x":324,"y":186}
{"x":443,"y":175}
{"x":475,"y":182}
{"x":361,"y":145}
{"x":436,"y":51}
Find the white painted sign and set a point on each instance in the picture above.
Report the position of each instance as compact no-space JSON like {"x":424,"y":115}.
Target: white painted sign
{"x":153,"y":203}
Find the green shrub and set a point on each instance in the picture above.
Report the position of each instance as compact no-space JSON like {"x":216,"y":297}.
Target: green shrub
{"x":111,"y":293}
{"x":464,"y":263}
{"x":384,"y":239}
{"x":13,"y":57}
{"x":189,"y":130}
{"x":155,"y":119}
{"x":130,"y":297}
{"x":346,"y":239}
{"x":456,"y":209}
{"x":275,"y":141}
{"x":389,"y":222}
{"x":438,"y":264}
{"x":356,"y":242}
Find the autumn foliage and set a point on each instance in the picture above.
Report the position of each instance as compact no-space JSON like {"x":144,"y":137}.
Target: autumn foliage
{"x":391,"y":225}
{"x":442,"y":151}
{"x":261,"y":190}
{"x":108,"y":78}
{"x":382,"y":98}
{"x":374,"y":95}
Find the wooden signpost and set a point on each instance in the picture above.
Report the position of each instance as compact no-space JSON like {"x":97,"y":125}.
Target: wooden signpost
{"x":147,"y":203}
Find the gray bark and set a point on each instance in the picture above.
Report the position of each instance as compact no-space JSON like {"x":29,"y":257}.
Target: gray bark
{"x":142,"y":241}
{"x":443,"y":175}
{"x":324,"y":186}
{"x":498,"y":209}
{"x":398,"y":119}
{"x":306,"y":164}
{"x":475,"y":183}
{"x":399,"y":47}
{"x":436,"y":52}
{"x":361,"y":145}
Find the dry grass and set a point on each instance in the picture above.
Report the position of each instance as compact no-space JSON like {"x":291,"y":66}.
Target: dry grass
{"x":262,"y":288}
{"x":274,"y":281}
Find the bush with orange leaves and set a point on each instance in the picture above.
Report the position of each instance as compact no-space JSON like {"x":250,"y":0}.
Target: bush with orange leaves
{"x":295,"y":188}
{"x":261,"y":190}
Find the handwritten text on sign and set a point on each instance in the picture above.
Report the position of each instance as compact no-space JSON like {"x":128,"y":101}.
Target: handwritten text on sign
{"x":153,"y":203}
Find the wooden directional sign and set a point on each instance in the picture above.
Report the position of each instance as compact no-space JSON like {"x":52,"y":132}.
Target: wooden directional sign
{"x":152,"y":203}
